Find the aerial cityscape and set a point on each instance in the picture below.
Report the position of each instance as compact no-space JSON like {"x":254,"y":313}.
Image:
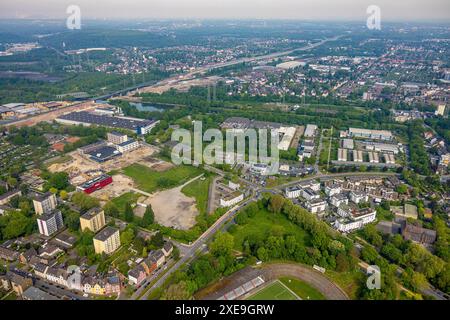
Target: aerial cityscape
{"x":119,"y":178}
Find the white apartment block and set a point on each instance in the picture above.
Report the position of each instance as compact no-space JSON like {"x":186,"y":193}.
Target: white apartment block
{"x":333,"y":189}
{"x":293,"y":192}
{"x":49,"y":223}
{"x":316,"y":206}
{"x":356,"y":220}
{"x":358,"y":197}
{"x":45,"y":203}
{"x":116,"y":137}
{"x":338,"y":199}
{"x":128,"y":146}
{"x":310,"y":194}
{"x":231,"y":200}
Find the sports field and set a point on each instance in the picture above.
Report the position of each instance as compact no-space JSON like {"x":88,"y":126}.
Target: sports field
{"x":274,"y":291}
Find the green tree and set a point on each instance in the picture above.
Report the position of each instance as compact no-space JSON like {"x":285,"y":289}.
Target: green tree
{"x":222,"y":245}
{"x":149,"y":216}
{"x":59,"y":180}
{"x":127,"y":236}
{"x":157,"y":240}
{"x":111,"y":209}
{"x":72,"y":220}
{"x":84,"y":202}
{"x":128,"y":214}
{"x":63,"y":194}
{"x":12,"y":182}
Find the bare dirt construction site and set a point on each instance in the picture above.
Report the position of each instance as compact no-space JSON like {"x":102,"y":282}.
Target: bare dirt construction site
{"x":121,"y":184}
{"x":80,"y":166}
{"x":180,"y":85}
{"x":174,"y":209}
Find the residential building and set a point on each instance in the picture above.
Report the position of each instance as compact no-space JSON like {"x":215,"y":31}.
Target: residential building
{"x":137,"y":275}
{"x":231,"y":199}
{"x":358,"y":197}
{"x":116,"y":137}
{"x":93,"y":220}
{"x":313,"y":185}
{"x":6,"y":197}
{"x":338,"y":199}
{"x":113,"y":285}
{"x":316,"y":205}
{"x":50,"y":223}
{"x":45,"y":203}
{"x":310,"y":194}
{"x":8,"y":254}
{"x":332,"y":189}
{"x":293,"y":192}
{"x":128,"y":146}
{"x":107,"y":240}
{"x":19,"y":282}
{"x":158,"y":255}
{"x":354,"y":219}
{"x":150,"y":264}
{"x":167,"y":248}
{"x":419,"y":234}
{"x":406,"y":211}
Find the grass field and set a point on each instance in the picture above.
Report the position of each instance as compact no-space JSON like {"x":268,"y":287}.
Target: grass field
{"x":302,"y":289}
{"x":274,"y":291}
{"x":149,"y":180}
{"x":265,"y":223}
{"x":199,"y":190}
{"x":121,"y":201}
{"x":348,"y":281}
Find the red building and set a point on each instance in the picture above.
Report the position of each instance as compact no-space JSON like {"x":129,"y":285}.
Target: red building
{"x":95,"y":184}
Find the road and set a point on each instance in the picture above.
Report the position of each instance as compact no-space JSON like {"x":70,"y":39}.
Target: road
{"x":203,"y":69}
{"x":199,"y":244}
{"x":202,"y":241}
{"x":335,"y":175}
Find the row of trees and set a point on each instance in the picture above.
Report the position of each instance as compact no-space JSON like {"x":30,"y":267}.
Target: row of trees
{"x":407,"y":255}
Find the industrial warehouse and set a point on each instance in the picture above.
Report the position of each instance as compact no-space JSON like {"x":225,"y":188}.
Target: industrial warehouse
{"x":139,"y":126}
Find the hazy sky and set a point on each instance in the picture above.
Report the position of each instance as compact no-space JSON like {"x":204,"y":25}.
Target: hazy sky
{"x":263,"y":9}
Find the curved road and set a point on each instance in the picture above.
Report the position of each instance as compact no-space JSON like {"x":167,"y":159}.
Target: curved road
{"x":312,"y":277}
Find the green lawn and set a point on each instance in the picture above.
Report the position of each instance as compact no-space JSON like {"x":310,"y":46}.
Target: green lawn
{"x":348,"y":281}
{"x":149,"y":180}
{"x":265,"y":223}
{"x":121,"y":201}
{"x":199,"y":189}
{"x":302,"y":289}
{"x":274,"y":291}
